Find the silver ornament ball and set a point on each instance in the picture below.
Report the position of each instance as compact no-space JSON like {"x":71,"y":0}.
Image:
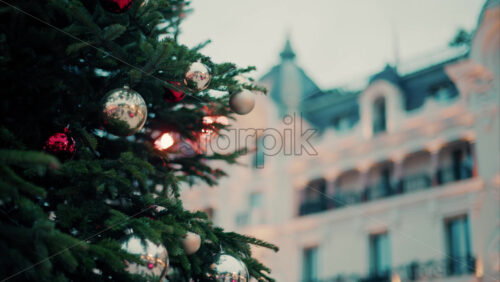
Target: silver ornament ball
{"x":197,"y":77}
{"x":191,"y":243}
{"x":123,"y":111}
{"x":229,"y":268}
{"x":155,"y":257}
{"x":242,"y":102}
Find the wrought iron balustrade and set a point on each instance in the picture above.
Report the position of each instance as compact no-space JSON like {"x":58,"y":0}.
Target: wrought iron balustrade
{"x":415,"y":182}
{"x":408,"y":184}
{"x":313,"y":206}
{"x":417,"y":271}
{"x":454,"y":173}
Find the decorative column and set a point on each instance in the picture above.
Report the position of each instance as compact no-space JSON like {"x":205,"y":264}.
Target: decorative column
{"x":397,"y":175}
{"x":434,"y":149}
{"x":364,"y":170}
{"x":331,"y":182}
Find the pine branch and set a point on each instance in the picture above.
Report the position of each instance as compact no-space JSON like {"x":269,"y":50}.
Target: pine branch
{"x":27,"y":158}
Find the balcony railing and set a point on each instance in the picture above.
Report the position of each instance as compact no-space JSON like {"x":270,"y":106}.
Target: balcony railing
{"x":415,"y":183}
{"x":313,"y":206}
{"x":406,"y":185}
{"x":417,"y":271}
{"x":453,"y":266}
{"x":454,"y":173}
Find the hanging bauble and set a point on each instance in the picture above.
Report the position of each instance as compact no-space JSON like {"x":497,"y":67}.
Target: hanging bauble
{"x":191,"y":243}
{"x":242,"y":102}
{"x":124,"y":111}
{"x":197,"y":77}
{"x":61,"y":144}
{"x":155,"y":257}
{"x":116,"y":6}
{"x":229,"y":268}
{"x":172,"y":95}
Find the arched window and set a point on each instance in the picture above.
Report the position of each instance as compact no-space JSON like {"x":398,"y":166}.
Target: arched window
{"x":379,"y":116}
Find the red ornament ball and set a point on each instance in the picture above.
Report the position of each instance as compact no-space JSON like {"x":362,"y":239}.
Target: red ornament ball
{"x":116,"y":6}
{"x":172,"y":95}
{"x":61,"y":145}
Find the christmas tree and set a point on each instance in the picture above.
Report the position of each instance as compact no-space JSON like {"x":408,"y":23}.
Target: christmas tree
{"x":102,"y":115}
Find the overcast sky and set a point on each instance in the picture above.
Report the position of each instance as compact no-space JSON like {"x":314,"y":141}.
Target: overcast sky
{"x":335,"y":41}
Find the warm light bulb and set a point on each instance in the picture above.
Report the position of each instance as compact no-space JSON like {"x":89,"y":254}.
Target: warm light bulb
{"x":208,"y":120}
{"x":164,"y":142}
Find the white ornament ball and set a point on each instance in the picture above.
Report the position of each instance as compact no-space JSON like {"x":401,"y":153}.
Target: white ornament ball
{"x":229,"y":268}
{"x":155,"y":257}
{"x":191,"y":243}
{"x":197,"y":77}
{"x":242,"y":102}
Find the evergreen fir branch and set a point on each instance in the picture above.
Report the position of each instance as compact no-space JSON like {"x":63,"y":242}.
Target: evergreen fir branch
{"x":27,"y":158}
{"x":252,"y":240}
{"x":7,"y":191}
{"x":257,"y":270}
{"x":24,"y":186}
{"x":90,"y":139}
{"x":78,"y":11}
{"x":113,"y":31}
{"x":8,"y":140}
{"x":75,"y":47}
{"x":109,"y":251}
{"x":200,"y":46}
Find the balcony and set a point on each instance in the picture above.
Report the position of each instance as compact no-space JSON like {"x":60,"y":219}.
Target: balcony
{"x":313,"y":206}
{"x":415,"y":182}
{"x":448,"y":267}
{"x":454,"y":173}
{"x":417,"y":271}
{"x":382,"y":190}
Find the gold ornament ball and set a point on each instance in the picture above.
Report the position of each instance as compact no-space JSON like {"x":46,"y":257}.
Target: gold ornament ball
{"x":124,"y":111}
{"x":229,"y":268}
{"x":191,"y":243}
{"x":197,"y":77}
{"x":242,"y":102}
{"x":155,"y":257}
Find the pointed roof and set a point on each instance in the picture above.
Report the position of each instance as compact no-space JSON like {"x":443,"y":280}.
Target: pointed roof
{"x":389,"y":73}
{"x":287,"y":53}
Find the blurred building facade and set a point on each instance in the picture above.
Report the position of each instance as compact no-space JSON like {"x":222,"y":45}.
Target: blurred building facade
{"x":402,"y":182}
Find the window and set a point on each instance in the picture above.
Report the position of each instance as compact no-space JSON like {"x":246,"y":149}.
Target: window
{"x":380,"y":255}
{"x":255,"y":200}
{"x":379,"y":116}
{"x":242,"y":219}
{"x":342,"y":123}
{"x":313,"y":197}
{"x":258,"y":159}
{"x":385,"y":181}
{"x":309,"y":265}
{"x":458,"y":246}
